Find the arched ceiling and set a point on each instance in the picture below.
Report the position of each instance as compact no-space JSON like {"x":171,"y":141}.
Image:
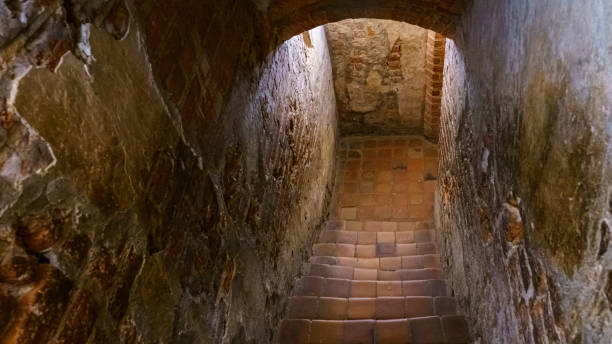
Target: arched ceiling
{"x":291,"y":17}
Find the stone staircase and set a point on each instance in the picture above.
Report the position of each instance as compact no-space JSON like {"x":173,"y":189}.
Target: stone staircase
{"x":375,"y":276}
{"x":373,"y":287}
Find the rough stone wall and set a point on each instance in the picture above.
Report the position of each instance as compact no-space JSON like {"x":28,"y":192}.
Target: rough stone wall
{"x":523,"y":198}
{"x":379,"y":76}
{"x":140,"y":213}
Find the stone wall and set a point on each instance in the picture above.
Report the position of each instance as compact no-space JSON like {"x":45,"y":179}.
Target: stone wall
{"x":379,"y":76}
{"x":139,"y":200}
{"x":523,"y":198}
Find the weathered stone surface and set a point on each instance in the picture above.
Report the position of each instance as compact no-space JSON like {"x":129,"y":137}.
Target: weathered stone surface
{"x":154,"y":212}
{"x":35,"y":318}
{"x":526,"y":111}
{"x":79,"y":320}
{"x":379,"y":76}
{"x":168,"y":153}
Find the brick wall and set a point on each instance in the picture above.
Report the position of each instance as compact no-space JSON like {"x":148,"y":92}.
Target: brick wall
{"x":434,"y":67}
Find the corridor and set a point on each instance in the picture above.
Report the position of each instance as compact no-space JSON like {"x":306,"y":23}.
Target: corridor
{"x":305,"y":171}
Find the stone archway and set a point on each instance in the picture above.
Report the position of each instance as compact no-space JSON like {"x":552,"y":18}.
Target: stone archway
{"x":289,"y":18}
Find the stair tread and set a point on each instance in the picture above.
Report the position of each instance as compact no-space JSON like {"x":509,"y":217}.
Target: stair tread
{"x":386,"y":249}
{"x":419,"y":261}
{"x":348,"y":272}
{"x":371,"y":237}
{"x":377,"y":225}
{"x":431,"y":329}
{"x":334,"y":287}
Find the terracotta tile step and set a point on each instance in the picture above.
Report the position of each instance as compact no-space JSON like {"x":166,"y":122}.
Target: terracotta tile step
{"x":386,"y":307}
{"x":364,"y":274}
{"x":344,"y":288}
{"x":373,"y":250}
{"x":448,"y":329}
{"x":385,"y":263}
{"x":378,"y":226}
{"x":365,"y":238}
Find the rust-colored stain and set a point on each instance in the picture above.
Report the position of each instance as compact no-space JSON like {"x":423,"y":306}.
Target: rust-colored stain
{"x":230,"y":269}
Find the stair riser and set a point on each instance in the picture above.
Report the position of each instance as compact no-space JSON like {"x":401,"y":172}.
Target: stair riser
{"x":381,"y":308}
{"x":378,"y":226}
{"x":366,"y":238}
{"x":344,"y":272}
{"x":317,"y":286}
{"x":373,"y":251}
